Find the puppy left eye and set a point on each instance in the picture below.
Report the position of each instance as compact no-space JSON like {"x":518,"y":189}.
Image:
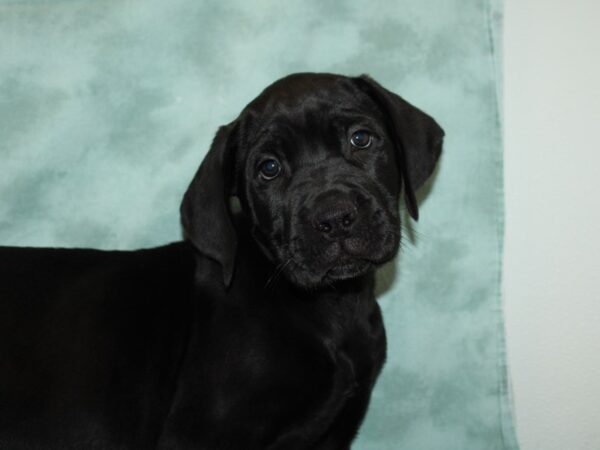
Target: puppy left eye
{"x":269,"y":169}
{"x":361,"y":139}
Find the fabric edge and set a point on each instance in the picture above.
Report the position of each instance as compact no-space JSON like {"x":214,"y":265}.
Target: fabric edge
{"x":494,"y":18}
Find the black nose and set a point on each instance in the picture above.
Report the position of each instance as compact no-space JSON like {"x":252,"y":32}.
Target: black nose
{"x":335,"y":220}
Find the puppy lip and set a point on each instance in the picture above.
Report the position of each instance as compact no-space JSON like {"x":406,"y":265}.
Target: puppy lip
{"x":349,"y":269}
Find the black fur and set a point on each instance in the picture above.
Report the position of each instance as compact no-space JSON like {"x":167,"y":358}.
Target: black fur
{"x":260,"y":330}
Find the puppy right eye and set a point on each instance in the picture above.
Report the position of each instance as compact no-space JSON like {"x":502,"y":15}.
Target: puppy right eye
{"x":361,"y":139}
{"x":269,"y":169}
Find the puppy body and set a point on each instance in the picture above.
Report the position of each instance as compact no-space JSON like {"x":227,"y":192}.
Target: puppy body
{"x":91,"y":344}
{"x":258,"y":331}
{"x":144,"y":349}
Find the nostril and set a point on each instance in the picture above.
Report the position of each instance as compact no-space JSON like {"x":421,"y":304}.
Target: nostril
{"x":334,"y":220}
{"x":348,"y":219}
{"x":324,"y":227}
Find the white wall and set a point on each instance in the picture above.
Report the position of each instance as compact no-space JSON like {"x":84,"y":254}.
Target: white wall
{"x":552,"y":253}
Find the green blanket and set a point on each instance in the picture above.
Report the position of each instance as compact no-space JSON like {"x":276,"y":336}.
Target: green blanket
{"x":107,"y":108}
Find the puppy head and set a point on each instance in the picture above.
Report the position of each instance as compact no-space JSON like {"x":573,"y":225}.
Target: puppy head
{"x":318,"y":162}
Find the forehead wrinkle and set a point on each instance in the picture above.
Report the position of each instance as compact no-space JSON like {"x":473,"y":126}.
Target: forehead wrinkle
{"x":312,"y":146}
{"x":316,"y":161}
{"x":313,"y":123}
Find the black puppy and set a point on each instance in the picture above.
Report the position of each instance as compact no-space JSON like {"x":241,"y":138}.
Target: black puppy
{"x":260,"y":330}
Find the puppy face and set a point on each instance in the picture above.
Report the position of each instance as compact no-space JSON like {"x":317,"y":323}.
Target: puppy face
{"x":318,"y":162}
{"x":320,"y":180}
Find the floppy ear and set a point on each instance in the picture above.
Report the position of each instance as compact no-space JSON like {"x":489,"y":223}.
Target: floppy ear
{"x":418,"y":139}
{"x":204,"y":210}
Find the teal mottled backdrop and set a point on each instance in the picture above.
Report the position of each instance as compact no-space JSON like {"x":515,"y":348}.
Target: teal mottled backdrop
{"x":107,"y":108}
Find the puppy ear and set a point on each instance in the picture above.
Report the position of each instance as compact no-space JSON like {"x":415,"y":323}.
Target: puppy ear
{"x":418,"y":139}
{"x":205,"y":214}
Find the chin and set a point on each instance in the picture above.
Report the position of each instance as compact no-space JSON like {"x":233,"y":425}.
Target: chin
{"x":303,"y":277}
{"x":348,"y":270}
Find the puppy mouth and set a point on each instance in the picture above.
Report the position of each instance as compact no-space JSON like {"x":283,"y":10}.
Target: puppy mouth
{"x":349,"y":269}
{"x":325,"y":263}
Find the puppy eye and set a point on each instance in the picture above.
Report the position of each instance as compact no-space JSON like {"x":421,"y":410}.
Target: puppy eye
{"x":269,"y":169}
{"x":361,"y":139}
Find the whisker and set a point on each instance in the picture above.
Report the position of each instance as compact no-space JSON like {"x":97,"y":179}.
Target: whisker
{"x":276,"y":272}
{"x":330,"y":284}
